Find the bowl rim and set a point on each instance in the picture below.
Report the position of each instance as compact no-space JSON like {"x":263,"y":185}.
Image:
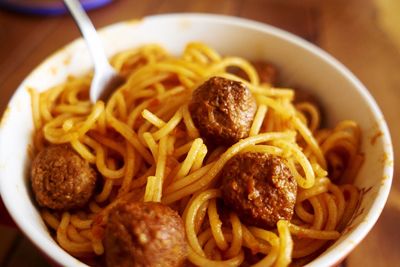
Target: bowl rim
{"x":325,"y":259}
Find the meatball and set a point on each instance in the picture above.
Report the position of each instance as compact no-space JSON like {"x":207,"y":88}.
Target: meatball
{"x":61,"y":179}
{"x":144,"y":234}
{"x":260,"y":188}
{"x":222,"y":110}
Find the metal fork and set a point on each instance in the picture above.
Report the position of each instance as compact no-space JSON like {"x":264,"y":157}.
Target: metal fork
{"x":105,"y":79}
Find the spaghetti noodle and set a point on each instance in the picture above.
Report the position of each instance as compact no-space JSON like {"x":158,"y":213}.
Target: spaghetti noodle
{"x":146,"y":147}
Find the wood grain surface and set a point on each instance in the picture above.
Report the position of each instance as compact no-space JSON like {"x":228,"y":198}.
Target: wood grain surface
{"x":363,"y":34}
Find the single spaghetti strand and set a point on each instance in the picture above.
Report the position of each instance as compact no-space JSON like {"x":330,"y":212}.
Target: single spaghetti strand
{"x":285,"y":244}
{"x":160,"y":169}
{"x":237,"y":236}
{"x":258,"y":120}
{"x":152,"y":118}
{"x":190,"y":158}
{"x":37,"y":121}
{"x":216,"y":225}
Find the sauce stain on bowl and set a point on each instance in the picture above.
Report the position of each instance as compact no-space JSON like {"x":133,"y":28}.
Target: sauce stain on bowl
{"x":135,"y":21}
{"x":53,"y":70}
{"x":67,"y":60}
{"x":375,"y":137}
{"x":6,"y":113}
{"x":185,"y":24}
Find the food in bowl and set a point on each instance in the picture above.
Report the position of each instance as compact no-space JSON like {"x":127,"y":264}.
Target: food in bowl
{"x":200,"y":158}
{"x":338,"y":91}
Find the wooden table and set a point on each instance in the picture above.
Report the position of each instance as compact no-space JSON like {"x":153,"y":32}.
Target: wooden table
{"x":363,"y":34}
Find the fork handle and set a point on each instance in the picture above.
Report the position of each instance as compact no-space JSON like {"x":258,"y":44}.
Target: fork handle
{"x":89,"y":34}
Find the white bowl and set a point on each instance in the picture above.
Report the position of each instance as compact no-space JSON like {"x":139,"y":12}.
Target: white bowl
{"x":341,"y":95}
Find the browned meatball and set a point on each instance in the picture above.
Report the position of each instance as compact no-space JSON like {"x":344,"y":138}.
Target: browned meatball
{"x":260,"y":188}
{"x":145,"y":234}
{"x":222,"y":110}
{"x":61,"y":179}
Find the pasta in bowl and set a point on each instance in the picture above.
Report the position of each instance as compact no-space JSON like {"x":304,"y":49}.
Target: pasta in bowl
{"x":245,"y":173}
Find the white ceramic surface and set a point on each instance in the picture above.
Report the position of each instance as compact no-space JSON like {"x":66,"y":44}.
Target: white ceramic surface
{"x":341,"y":95}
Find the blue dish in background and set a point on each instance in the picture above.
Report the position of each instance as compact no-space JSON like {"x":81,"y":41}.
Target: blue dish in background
{"x":47,"y":7}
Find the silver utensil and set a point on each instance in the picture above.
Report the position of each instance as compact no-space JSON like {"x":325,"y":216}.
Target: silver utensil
{"x":105,"y":78}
